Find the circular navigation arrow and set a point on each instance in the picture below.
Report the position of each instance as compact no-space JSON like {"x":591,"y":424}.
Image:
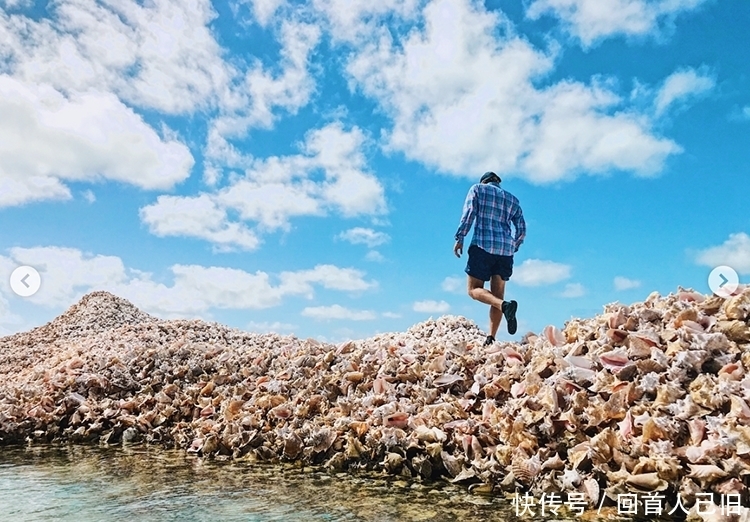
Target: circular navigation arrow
{"x":723,"y":281}
{"x":25,"y":281}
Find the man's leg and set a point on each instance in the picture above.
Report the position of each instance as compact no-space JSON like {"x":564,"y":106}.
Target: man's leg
{"x":493,"y":298}
{"x":497,"y":288}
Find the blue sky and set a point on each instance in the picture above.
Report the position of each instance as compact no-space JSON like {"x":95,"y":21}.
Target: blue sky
{"x":300,"y":167}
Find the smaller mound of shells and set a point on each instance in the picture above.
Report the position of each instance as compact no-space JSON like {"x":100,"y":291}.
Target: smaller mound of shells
{"x":652,"y":397}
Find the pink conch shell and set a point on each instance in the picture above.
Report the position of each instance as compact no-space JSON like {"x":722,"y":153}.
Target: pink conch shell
{"x":693,"y":326}
{"x":695,"y":454}
{"x":706,"y":471}
{"x":615,"y":360}
{"x":399,"y":419}
{"x":447,"y":380}
{"x":554,"y":336}
{"x":691,"y":296}
{"x":732,"y":371}
{"x":578,"y":361}
{"x":518,"y":389}
{"x":617,"y":319}
{"x":739,"y":409}
{"x":626,"y":426}
{"x":380,"y":385}
{"x":697,"y":428}
{"x":512,"y":357}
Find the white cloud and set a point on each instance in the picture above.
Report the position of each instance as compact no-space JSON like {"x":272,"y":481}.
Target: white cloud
{"x":160,"y":55}
{"x":328,"y":276}
{"x":593,"y":20}
{"x":275,"y":190}
{"x":746,"y":112}
{"x":8,"y":320}
{"x":336,"y":312}
{"x":199,"y":217}
{"x":573,"y":290}
{"x":260,"y":92}
{"x":68,"y":273}
{"x":536,"y":272}
{"x":364,"y":236}
{"x":270,"y":327}
{"x":89,"y":196}
{"x":13,"y":4}
{"x":431,"y":307}
{"x":391,"y":315}
{"x":681,"y":85}
{"x":265,"y":9}
{"x":734,"y":252}
{"x":351,"y":20}
{"x":461,"y":97}
{"x":47,"y":139}
{"x":623,"y":283}
{"x":375,"y":256}
{"x":454,"y":284}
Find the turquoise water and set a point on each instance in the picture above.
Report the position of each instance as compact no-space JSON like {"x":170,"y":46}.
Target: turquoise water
{"x":85,"y":484}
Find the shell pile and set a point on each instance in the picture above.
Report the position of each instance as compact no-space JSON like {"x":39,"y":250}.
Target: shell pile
{"x":652,"y":397}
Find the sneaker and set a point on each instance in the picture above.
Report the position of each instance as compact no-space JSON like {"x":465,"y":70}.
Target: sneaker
{"x":509,"y":311}
{"x":489,"y":340}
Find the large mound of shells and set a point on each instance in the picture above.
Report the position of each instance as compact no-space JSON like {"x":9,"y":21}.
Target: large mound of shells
{"x":649,"y":397}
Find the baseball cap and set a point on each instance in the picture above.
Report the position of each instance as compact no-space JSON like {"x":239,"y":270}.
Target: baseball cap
{"x":490,"y":176}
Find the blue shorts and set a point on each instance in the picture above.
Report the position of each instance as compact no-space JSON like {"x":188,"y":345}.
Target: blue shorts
{"x":484,"y":265}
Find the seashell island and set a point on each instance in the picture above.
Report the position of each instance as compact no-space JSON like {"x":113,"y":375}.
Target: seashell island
{"x":652,"y":397}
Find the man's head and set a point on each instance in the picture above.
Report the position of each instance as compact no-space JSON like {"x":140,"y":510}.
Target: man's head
{"x":490,"y":177}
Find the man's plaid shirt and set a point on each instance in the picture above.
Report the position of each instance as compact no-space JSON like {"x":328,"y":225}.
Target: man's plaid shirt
{"x":494,"y":210}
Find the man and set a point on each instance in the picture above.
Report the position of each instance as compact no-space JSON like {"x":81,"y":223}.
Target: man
{"x":492,"y":210}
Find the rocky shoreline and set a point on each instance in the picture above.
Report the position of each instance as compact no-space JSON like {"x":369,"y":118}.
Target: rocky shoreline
{"x":652,"y":397}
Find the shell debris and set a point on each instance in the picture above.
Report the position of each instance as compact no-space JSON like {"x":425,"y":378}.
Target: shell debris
{"x":651,"y":397}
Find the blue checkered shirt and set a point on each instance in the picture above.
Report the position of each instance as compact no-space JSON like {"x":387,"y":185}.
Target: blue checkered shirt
{"x":494,"y":210}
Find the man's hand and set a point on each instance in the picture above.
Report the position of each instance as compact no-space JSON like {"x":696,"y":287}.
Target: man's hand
{"x":458,"y":248}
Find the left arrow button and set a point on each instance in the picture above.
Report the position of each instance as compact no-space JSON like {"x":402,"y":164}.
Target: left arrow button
{"x":25,"y":281}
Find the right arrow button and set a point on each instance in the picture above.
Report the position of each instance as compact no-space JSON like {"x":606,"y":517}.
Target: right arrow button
{"x":723,"y":281}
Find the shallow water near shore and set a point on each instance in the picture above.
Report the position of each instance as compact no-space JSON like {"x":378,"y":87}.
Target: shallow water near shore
{"x":75,"y":483}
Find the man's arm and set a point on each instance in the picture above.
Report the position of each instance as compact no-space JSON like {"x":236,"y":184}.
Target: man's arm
{"x":467,"y":218}
{"x":520,"y":225}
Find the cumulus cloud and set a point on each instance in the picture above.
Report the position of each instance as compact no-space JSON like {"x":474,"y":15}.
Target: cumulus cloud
{"x":270,"y":327}
{"x":573,"y":290}
{"x":69,"y":273}
{"x":462,"y":92}
{"x":252,"y":103}
{"x":199,"y":217}
{"x":351,"y":20}
{"x":364,"y":236}
{"x":734,"y":252}
{"x":8,"y":320}
{"x":453,"y":284}
{"x":14,"y":4}
{"x":431,"y":307}
{"x":263,"y":10}
{"x":47,"y":139}
{"x":330,"y":175}
{"x":682,"y":85}
{"x":337,"y":312}
{"x":623,"y":283}
{"x":375,"y":256}
{"x":593,"y":20}
{"x":161,"y":55}
{"x":537,"y":272}
{"x":328,"y":276}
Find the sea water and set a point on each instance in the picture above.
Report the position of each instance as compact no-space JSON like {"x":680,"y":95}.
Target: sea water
{"x":141,"y":483}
